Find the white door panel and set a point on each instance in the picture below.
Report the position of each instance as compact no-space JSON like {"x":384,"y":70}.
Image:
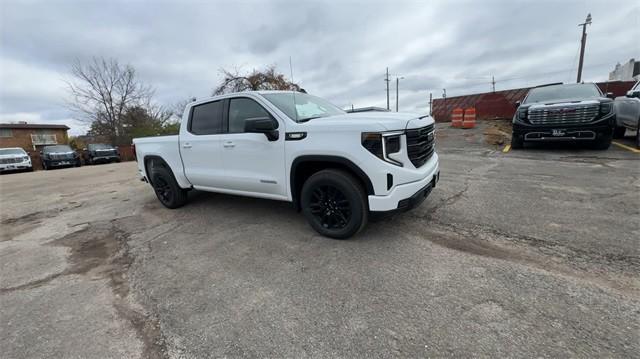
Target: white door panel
{"x":202,"y":159}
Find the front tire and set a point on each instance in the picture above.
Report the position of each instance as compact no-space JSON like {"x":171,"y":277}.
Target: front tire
{"x":334,"y":204}
{"x":516,"y":142}
{"x":167,"y":189}
{"x":44,"y":166}
{"x":603,"y":143}
{"x":619,"y":132}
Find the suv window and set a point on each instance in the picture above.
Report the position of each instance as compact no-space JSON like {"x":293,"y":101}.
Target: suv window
{"x":206,"y":119}
{"x":241,"y":109}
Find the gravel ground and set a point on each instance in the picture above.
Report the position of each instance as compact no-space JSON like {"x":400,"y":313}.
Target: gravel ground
{"x":519,"y":254}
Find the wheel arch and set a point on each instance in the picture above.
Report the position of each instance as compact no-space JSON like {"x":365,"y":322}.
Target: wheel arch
{"x":304,"y":166}
{"x":150,"y":160}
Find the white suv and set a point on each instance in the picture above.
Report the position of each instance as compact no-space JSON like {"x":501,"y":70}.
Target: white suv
{"x":338,"y":168}
{"x":14,"y":159}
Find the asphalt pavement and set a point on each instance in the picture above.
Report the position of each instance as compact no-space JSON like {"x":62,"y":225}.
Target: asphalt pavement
{"x":527,"y":253}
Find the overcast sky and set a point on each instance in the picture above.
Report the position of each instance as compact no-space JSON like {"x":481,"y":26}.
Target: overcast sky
{"x":339,"y":49}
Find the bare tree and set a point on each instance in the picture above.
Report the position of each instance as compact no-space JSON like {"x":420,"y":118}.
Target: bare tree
{"x":103,"y":91}
{"x":268,"y":79}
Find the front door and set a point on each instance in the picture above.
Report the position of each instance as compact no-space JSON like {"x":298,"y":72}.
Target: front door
{"x":253,"y":164}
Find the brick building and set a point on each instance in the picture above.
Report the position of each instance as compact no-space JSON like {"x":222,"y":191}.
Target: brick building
{"x":32,"y":137}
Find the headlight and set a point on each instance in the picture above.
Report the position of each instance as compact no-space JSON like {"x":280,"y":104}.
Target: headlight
{"x":25,"y":158}
{"x":605,"y":107}
{"x":383,"y":144}
{"x":522,"y":114}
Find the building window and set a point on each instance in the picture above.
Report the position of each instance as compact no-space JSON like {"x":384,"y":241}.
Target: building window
{"x":6,"y":132}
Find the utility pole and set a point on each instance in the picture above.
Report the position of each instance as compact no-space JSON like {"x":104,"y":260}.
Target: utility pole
{"x":444,"y":102}
{"x":386,"y":79}
{"x":582,"y":44}
{"x":397,"y":91}
{"x":493,"y":83}
{"x":430,"y":103}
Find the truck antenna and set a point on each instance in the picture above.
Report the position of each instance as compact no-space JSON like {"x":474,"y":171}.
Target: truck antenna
{"x":293,"y":94}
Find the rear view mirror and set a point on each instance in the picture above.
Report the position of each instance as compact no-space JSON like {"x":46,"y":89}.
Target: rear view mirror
{"x":517,"y":104}
{"x":265,"y":125}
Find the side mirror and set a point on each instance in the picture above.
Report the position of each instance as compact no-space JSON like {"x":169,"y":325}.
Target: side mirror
{"x":517,"y":104}
{"x":265,"y":125}
{"x":84,"y":149}
{"x":609,"y":94}
{"x":40,"y":152}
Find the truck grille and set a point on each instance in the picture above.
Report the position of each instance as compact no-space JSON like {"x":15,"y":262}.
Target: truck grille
{"x":420,"y":145}
{"x":5,"y":161}
{"x":61,"y":156}
{"x":564,"y":115}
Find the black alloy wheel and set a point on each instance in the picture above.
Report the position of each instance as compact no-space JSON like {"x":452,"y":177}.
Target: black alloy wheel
{"x":330,"y":207}
{"x":167,"y":189}
{"x":334,"y":203}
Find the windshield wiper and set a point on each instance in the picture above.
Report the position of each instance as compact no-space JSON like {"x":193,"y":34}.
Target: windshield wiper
{"x":308,"y":118}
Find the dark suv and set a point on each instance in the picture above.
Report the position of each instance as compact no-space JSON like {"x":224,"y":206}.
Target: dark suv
{"x":574,"y":112}
{"x":59,"y":156}
{"x":99,"y":152}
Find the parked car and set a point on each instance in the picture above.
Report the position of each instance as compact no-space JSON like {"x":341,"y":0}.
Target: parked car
{"x":569,"y":113}
{"x":59,"y":156}
{"x":100,"y":153}
{"x":338,"y":168}
{"x":627,"y":110}
{"x":14,"y":159}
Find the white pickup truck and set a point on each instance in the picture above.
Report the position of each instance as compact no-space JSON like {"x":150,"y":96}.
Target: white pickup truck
{"x":338,"y":168}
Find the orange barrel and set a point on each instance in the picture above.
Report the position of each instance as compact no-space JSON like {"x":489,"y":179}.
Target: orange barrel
{"x":456,"y":117}
{"x":469,"y":119}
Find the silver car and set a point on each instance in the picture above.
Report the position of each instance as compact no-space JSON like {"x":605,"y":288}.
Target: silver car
{"x":14,"y":159}
{"x":627,"y":109}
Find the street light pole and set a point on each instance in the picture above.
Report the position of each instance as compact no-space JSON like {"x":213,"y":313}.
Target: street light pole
{"x":582,"y":44}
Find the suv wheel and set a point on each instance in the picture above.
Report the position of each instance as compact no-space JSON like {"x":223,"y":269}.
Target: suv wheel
{"x":167,"y":189}
{"x":516,"y":142}
{"x":619,"y":132}
{"x":334,"y":204}
{"x":603,"y":143}
{"x":44,"y":166}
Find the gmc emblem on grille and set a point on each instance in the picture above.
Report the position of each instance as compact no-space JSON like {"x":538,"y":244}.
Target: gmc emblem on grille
{"x":563,"y":110}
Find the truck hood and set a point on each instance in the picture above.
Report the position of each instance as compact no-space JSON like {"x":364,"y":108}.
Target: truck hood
{"x":373,"y":121}
{"x":12,"y":156}
{"x":563,"y":103}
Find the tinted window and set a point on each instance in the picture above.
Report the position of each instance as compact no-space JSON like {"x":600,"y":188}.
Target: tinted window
{"x":98,"y":146}
{"x":300,"y":106}
{"x":241,"y":109}
{"x":11,"y":151}
{"x":206,"y":119}
{"x":562,"y":92}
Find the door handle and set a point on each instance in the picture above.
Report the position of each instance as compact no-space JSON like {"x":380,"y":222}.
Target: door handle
{"x":228,"y":144}
{"x":186,"y":145}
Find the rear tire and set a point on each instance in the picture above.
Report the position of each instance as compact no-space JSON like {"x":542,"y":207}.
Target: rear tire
{"x":619,"y":132}
{"x":516,"y":142}
{"x":334,"y":204}
{"x":167,"y":189}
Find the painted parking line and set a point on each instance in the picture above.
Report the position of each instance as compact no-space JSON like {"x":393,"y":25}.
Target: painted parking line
{"x":628,"y":148}
{"x":506,"y":148}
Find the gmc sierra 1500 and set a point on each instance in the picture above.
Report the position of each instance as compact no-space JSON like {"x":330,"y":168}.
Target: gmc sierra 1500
{"x":338,"y":168}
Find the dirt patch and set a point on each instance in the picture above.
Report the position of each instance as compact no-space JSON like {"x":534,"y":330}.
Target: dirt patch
{"x":497,"y":132}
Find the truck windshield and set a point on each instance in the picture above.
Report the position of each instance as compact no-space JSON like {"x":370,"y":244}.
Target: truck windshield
{"x":98,"y":146}
{"x":301,"y":107}
{"x":57,"y":149}
{"x":560,"y":92}
{"x":11,"y":151}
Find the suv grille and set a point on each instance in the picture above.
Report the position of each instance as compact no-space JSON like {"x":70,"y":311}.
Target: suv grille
{"x":564,"y":115}
{"x":61,"y":156}
{"x":420,"y":145}
{"x":4,"y":161}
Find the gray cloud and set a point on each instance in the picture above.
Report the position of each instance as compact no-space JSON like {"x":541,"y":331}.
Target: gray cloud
{"x":339,"y":48}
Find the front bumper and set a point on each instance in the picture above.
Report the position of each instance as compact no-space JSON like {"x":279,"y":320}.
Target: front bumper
{"x":105,"y":158}
{"x":62,"y":163}
{"x":5,"y":167}
{"x":406,"y":196}
{"x":559,"y":132}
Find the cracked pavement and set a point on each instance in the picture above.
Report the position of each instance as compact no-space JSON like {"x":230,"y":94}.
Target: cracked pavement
{"x":528,"y":253}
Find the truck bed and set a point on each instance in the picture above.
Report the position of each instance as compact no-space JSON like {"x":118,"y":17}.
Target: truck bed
{"x":165,"y":147}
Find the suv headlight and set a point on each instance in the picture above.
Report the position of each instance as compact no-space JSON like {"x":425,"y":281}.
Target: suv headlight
{"x":25,"y":158}
{"x":522,"y":114}
{"x":606,"y":107}
{"x":382,"y":144}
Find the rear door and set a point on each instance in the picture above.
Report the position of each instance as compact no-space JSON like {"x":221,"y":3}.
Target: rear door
{"x":253,"y":164}
{"x":201,"y":144}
